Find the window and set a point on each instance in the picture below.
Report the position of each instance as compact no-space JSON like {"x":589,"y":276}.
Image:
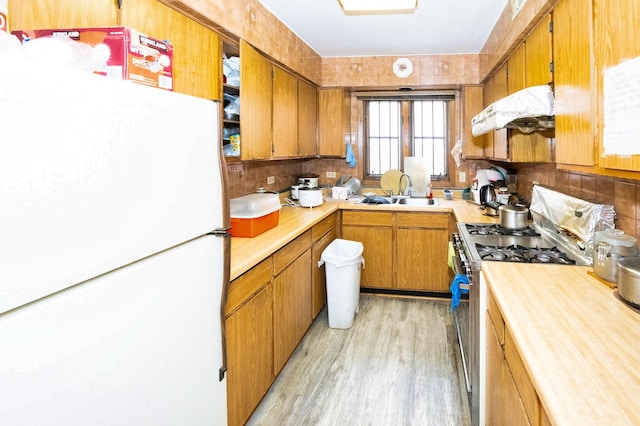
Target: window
{"x":397,"y":127}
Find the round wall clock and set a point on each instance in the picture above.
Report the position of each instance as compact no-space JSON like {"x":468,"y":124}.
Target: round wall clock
{"x":402,"y":67}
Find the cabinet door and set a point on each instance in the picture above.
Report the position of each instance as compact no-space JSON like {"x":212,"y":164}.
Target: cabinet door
{"x":333,"y":122}
{"x":249,"y":334}
{"x":307,"y":120}
{"x":421,"y":251}
{"x":319,"y":288}
{"x":616,"y":24}
{"x":538,"y":55}
{"x":375,"y":231}
{"x":516,"y":70}
{"x":573,"y":70}
{"x":285,"y":114}
{"x":196,"y":49}
{"x":255,"y":104}
{"x":32,"y":14}
{"x":500,"y":146}
{"x":473,"y":146}
{"x":291,"y":308}
{"x":495,"y":385}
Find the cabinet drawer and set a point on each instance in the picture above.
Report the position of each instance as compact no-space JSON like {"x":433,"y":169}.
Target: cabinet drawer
{"x":357,"y":217}
{"x":423,"y":220}
{"x":496,"y":317}
{"x":283,"y":257}
{"x":324,"y":226}
{"x":246,"y":285}
{"x":522,"y":379}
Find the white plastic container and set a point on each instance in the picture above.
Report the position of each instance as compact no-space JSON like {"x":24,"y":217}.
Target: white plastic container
{"x":254,"y":214}
{"x":342,"y":259}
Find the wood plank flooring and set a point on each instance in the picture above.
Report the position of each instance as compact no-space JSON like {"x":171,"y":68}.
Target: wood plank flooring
{"x":398,"y":365}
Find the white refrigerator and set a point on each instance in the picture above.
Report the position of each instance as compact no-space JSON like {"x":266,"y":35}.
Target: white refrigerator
{"x":114,"y":255}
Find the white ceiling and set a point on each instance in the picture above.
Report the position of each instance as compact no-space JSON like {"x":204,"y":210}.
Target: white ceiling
{"x":436,"y":27}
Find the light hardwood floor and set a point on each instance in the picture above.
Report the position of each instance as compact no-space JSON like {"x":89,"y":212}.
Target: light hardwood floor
{"x":398,"y":365}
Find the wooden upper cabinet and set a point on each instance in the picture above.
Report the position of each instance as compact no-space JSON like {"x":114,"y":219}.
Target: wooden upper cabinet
{"x":285,"y":114}
{"x":573,"y":83}
{"x":333,"y":121}
{"x":255,"y":104}
{"x":196,"y":49}
{"x":307,"y":120}
{"x":500,"y":143}
{"x":488,"y":94}
{"x":538,"y":54}
{"x":516,"y":70}
{"x":473,"y":146}
{"x":616,"y":24}
{"x":33,"y":14}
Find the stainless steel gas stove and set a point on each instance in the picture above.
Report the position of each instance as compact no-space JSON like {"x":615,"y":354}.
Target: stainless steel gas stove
{"x":562,"y":233}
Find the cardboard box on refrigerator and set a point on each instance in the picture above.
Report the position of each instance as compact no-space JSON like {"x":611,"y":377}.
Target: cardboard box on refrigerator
{"x":133,"y":55}
{"x":4,"y":12}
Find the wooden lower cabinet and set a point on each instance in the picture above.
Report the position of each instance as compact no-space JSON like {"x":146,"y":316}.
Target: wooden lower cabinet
{"x":323,"y":234}
{"x":375,"y":231}
{"x":421,"y":253}
{"x":402,"y":250}
{"x":249,"y":336}
{"x":291,"y":298}
{"x":511,"y":398}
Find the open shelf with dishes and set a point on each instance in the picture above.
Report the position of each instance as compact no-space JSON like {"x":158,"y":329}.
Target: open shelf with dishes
{"x":231,"y":99}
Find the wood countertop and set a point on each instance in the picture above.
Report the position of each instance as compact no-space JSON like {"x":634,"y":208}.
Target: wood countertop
{"x":248,"y":252}
{"x":578,"y":340}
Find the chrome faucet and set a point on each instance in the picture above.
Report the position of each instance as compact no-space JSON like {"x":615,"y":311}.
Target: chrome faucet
{"x":409,"y":185}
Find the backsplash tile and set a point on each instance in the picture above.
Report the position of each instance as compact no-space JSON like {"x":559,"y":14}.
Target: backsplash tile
{"x":623,"y":194}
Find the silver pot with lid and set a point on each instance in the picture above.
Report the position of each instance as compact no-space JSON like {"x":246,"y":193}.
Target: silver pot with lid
{"x":629,"y":280}
{"x":610,"y":246}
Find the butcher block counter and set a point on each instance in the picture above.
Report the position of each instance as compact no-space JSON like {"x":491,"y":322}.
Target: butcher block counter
{"x":248,"y":252}
{"x":579,"y":342}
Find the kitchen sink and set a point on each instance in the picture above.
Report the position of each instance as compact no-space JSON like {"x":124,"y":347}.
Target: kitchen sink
{"x":418,"y":201}
{"x":396,"y":201}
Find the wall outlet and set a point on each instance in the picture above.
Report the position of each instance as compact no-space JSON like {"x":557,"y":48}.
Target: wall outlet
{"x":271,"y":180}
{"x":462,"y":177}
{"x":331,"y":174}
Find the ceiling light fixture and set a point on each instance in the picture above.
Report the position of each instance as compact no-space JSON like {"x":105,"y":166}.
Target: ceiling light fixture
{"x":364,"y":6}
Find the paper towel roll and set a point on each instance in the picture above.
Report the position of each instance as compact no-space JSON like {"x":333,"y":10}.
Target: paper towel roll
{"x":419,"y":171}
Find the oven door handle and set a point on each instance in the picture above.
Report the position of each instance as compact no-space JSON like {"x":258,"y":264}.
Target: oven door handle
{"x":457,"y":265}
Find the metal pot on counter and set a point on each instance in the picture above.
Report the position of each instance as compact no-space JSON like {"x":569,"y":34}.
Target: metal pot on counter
{"x":513,"y":217}
{"x":310,"y":197}
{"x":629,"y":280}
{"x":610,"y":246}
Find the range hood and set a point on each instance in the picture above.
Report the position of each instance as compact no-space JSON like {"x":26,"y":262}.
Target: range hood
{"x":528,"y":110}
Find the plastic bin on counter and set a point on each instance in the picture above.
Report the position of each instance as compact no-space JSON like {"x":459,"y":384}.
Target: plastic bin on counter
{"x":342,"y":259}
{"x":254,"y":214}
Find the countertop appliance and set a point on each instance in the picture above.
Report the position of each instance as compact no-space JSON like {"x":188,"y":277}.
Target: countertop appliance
{"x":114,"y":257}
{"x":544,"y":241}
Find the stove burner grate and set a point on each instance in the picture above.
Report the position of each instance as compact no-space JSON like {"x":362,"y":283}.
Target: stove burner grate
{"x":521,"y":254}
{"x":494,"y":229}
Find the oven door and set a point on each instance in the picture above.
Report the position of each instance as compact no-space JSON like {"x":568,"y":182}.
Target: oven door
{"x":461,"y":316}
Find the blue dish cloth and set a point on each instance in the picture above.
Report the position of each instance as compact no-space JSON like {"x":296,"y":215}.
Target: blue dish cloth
{"x":350,"y":157}
{"x":456,"y":291}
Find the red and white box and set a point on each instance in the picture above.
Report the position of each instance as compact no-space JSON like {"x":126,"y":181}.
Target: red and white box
{"x":4,"y":12}
{"x":133,"y":55}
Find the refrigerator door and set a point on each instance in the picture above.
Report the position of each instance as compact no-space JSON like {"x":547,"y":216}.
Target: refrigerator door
{"x":137,"y":346}
{"x":97,"y":173}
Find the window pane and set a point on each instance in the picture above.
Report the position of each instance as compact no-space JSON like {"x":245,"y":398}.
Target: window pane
{"x":430,"y":134}
{"x":383,"y":136}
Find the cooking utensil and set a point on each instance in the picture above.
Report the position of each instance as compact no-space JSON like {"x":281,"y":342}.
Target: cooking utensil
{"x":491,"y":208}
{"x":390,"y":181}
{"x":629,"y":280}
{"x":609,"y":247}
{"x":513,"y":217}
{"x":310,"y":197}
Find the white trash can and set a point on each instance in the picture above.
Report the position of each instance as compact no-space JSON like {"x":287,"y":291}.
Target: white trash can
{"x":343,"y":259}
